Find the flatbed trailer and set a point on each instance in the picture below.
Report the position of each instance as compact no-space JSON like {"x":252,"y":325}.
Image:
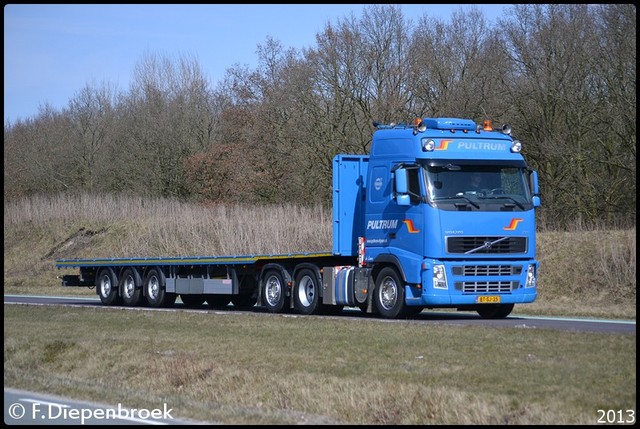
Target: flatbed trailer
{"x":197,"y":280}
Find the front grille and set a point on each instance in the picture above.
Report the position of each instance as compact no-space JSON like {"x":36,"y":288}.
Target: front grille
{"x":487,"y":270}
{"x":486,"y":287}
{"x":484,"y":246}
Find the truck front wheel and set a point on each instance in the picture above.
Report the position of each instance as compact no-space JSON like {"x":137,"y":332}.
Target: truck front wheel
{"x":274,"y":292}
{"x":389,"y":293}
{"x":108,"y":287}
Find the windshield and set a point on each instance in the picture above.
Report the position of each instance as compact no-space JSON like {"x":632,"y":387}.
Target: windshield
{"x":477,"y":184}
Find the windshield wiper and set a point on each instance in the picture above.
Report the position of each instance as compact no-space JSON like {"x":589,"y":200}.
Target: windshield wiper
{"x":455,"y":198}
{"x":499,"y":197}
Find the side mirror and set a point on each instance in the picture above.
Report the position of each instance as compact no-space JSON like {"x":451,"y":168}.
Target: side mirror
{"x":402,"y":185}
{"x":534,"y":183}
{"x":535,"y":188}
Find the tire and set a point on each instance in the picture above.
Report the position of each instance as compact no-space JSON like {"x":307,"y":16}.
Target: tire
{"x":274,"y":292}
{"x":155,"y":290}
{"x":389,"y":294}
{"x":243,"y":301}
{"x":107,"y":287}
{"x":306,"y":295}
{"x":131,"y":287}
{"x":217,"y":301}
{"x":192,"y":301}
{"x":495,"y":311}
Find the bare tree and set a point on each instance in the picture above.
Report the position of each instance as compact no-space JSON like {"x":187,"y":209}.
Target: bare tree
{"x":168,"y":116}
{"x":37,"y":156}
{"x":556,"y":87}
{"x":91,"y":115}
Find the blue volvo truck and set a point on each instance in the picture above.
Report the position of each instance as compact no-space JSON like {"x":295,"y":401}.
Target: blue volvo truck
{"x":440,"y":214}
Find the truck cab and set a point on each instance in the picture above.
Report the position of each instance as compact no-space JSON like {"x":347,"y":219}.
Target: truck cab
{"x":444,"y":210}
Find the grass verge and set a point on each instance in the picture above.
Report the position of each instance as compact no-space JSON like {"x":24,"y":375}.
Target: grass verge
{"x":266,"y":369}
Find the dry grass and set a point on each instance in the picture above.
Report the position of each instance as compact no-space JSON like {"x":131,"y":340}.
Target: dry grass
{"x":121,"y":226}
{"x":261,"y":369}
{"x":583,"y":272}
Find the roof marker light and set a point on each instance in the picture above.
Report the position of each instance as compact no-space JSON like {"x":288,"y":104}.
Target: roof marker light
{"x":419,"y":126}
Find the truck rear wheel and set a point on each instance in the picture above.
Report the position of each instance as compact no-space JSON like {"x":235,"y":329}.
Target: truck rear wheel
{"x":274,"y":292}
{"x":495,"y":311}
{"x":107,"y":287}
{"x":131,"y":286}
{"x":389,"y":293}
{"x":155,"y":290}
{"x":306,"y":296}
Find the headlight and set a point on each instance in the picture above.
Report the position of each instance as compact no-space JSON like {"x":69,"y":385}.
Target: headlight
{"x":531,"y":276}
{"x":439,"y":277}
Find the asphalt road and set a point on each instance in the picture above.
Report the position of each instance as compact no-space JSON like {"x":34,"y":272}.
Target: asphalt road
{"x":426,"y":317}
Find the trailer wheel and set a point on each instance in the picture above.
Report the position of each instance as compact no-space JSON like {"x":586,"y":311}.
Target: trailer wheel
{"x":192,"y":301}
{"x":495,"y":311}
{"x":131,"y":286}
{"x":389,"y":293}
{"x":306,"y":296}
{"x":107,"y":287}
{"x":155,"y":289}
{"x":274,"y":292}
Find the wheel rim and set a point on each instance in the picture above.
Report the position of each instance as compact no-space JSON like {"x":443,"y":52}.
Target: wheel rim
{"x":105,"y":286}
{"x":129,"y":287}
{"x":388,"y":293}
{"x":273,"y":290}
{"x":306,"y":291}
{"x":153,"y":289}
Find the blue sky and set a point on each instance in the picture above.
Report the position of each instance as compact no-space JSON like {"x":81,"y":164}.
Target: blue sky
{"x":53,"y":51}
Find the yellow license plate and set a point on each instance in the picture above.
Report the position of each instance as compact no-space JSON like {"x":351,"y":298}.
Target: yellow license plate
{"x":488,"y":299}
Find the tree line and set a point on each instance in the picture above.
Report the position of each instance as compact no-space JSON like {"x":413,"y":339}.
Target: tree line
{"x":563,"y":75}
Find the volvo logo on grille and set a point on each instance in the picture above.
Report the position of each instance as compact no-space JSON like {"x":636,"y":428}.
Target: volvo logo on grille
{"x":486,"y":245}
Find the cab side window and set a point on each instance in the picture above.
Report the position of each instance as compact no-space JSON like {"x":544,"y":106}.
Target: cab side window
{"x":414,"y":184}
